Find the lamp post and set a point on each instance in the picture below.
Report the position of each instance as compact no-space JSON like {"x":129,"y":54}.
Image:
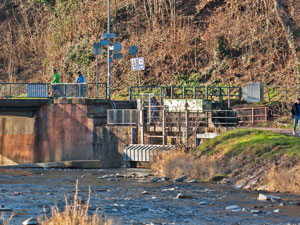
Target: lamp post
{"x":108,"y":50}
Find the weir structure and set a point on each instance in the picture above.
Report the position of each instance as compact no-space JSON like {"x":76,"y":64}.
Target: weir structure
{"x":73,"y":126}
{"x":64,"y":131}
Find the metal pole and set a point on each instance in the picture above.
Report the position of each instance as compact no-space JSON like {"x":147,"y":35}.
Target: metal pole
{"x":108,"y":55}
{"x":97,"y":73}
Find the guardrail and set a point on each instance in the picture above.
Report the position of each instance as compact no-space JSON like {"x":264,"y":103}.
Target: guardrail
{"x":183,"y":92}
{"x":46,"y":90}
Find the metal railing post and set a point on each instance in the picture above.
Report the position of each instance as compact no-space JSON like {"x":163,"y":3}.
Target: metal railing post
{"x":194,"y":94}
{"x":171,"y":92}
{"x":240,"y":94}
{"x":266,"y":115}
{"x":183,"y":92}
{"x":252,"y":115}
{"x":206,"y":92}
{"x":130,"y":93}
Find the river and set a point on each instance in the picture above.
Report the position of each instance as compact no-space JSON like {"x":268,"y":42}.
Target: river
{"x":135,"y":200}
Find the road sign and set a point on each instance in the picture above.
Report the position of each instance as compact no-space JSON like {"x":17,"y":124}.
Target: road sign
{"x":137,"y":64}
{"x":104,"y":42}
{"x":134,"y":64}
{"x":97,"y":48}
{"x":133,"y":50}
{"x":117,"y":47}
{"x":117,"y":56}
{"x":141,"y":64}
{"x":108,"y":36}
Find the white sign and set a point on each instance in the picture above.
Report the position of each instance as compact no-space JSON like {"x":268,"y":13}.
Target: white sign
{"x":137,"y":64}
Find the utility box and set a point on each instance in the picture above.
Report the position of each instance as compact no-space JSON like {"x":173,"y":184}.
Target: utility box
{"x":254,"y":92}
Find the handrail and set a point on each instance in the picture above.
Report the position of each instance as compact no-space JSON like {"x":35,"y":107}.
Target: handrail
{"x":204,"y":92}
{"x":43,"y":90}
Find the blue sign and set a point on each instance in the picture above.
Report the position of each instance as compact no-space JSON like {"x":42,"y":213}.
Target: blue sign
{"x":97,"y":48}
{"x":117,"y":47}
{"x":133,"y":50}
{"x":117,"y":56}
{"x":104,"y":42}
{"x":108,"y":36}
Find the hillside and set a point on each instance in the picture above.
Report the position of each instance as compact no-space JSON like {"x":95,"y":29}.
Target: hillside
{"x":188,"y":42}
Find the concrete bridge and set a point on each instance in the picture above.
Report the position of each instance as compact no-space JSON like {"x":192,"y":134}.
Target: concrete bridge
{"x":60,"y":130}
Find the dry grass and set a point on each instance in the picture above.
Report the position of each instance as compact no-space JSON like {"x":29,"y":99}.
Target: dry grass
{"x":284,"y":179}
{"x":176,"y":163}
{"x":75,"y":214}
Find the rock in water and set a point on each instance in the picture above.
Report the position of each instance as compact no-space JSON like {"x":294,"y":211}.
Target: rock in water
{"x":262,"y":197}
{"x":182,"y":196}
{"x":233,"y":208}
{"x":180,"y":179}
{"x":154,"y":179}
{"x":30,"y":221}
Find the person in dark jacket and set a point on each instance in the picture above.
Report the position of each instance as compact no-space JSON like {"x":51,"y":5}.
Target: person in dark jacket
{"x":296,"y":115}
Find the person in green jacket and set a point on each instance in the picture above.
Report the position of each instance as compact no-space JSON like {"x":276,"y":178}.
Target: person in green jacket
{"x":56,"y":77}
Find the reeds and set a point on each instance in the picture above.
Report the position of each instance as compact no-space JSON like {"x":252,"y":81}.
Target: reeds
{"x":176,"y":163}
{"x":75,"y":214}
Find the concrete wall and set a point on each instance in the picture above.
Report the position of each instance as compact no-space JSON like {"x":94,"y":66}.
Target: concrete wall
{"x":61,"y":132}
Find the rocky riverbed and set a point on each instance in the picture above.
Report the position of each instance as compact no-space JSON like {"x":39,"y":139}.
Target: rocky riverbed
{"x":134,"y":196}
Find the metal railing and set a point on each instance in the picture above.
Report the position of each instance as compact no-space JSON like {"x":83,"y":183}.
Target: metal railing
{"x":184,"y":92}
{"x":46,"y":90}
{"x":252,"y":115}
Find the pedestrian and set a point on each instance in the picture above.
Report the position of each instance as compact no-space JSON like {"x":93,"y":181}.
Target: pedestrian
{"x":80,"y":78}
{"x":296,"y":115}
{"x":56,"y":77}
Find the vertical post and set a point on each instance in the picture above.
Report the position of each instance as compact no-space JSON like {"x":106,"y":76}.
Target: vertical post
{"x":149,"y":112}
{"x":65,"y":90}
{"x":183,"y":92}
{"x":186,"y":127}
{"x":252,"y":115}
{"x":228,"y":98}
{"x":9,"y":90}
{"x":266,"y":115}
{"x":164,"y":126}
{"x":240,"y":94}
{"x":194,"y":92}
{"x":160,"y":98}
{"x":97,"y":73}
{"x":220,"y":95}
{"x":206,"y":92}
{"x":142,"y":125}
{"x":171,"y":92}
{"x":108,"y":51}
{"x":130,"y":93}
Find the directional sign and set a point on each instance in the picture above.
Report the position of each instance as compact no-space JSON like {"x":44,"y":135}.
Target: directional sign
{"x":117,"y":56}
{"x":141,"y":64}
{"x":97,"y":48}
{"x":104,"y":42}
{"x":108,"y":36}
{"x":133,"y":50}
{"x":117,"y":47}
{"x":134,"y":64}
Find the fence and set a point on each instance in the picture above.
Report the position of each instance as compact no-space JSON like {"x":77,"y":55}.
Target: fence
{"x":45,"y":90}
{"x":252,"y":115}
{"x":122,"y":116}
{"x":183,"y":92}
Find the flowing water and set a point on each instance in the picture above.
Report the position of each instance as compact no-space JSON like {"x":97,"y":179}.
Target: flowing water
{"x":134,"y":199}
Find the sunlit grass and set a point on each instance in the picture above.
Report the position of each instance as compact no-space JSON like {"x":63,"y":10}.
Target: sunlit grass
{"x":261,"y":144}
